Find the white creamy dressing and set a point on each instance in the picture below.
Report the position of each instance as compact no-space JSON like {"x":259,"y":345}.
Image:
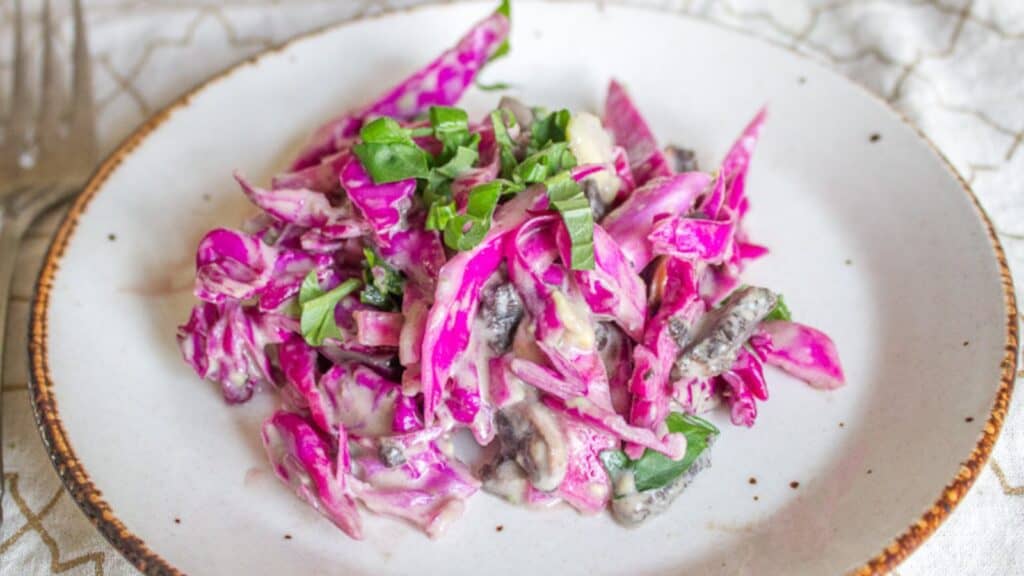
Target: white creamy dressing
{"x":524,"y":345}
{"x":591,"y":144}
{"x":508,"y":481}
{"x":362,"y":411}
{"x":579,"y":331}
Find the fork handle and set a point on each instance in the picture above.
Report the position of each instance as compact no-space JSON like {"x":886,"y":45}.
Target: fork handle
{"x":11,"y":231}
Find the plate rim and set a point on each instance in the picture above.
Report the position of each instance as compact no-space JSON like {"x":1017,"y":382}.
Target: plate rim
{"x":88,"y":497}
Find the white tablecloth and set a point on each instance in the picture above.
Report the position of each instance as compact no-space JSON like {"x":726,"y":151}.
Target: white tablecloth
{"x":955,"y":67}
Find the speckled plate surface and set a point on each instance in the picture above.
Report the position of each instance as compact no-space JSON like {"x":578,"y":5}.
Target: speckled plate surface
{"x":874,"y":240}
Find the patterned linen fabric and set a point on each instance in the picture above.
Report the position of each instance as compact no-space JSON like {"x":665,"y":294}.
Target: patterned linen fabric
{"x":954,"y":67}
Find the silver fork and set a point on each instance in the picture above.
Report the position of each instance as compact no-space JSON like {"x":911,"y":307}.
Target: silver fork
{"x":46,"y":159}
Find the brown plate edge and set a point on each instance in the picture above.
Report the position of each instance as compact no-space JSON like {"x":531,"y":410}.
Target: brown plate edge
{"x":90,"y":499}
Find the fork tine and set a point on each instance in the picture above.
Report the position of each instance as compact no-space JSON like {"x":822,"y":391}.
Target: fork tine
{"x":52,"y":88}
{"x":83,"y":128}
{"x":20,"y":105}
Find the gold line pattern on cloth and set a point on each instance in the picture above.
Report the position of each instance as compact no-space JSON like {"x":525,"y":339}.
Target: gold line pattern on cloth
{"x":799,"y":40}
{"x":34,"y":523}
{"x":1004,"y":483}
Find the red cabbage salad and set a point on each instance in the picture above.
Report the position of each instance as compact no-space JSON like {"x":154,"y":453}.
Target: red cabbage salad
{"x":553,"y":283}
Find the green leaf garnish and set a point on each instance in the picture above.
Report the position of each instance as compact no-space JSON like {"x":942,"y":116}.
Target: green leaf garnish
{"x":461,"y":162}
{"x":566,"y":196}
{"x":388,"y":152}
{"x":654,"y":470}
{"x":544,"y":164}
{"x":780,"y":312}
{"x":465,"y":231}
{"x":451,"y":128}
{"x":317,"y":321}
{"x":615,"y":461}
{"x":549,"y":127}
{"x":492,"y":87}
{"x":505,"y":8}
{"x":383,"y":285}
{"x":392,"y":162}
{"x":500,"y":121}
{"x":384,"y":130}
{"x":439,"y":214}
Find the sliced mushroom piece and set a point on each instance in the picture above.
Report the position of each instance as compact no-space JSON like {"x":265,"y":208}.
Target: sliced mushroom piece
{"x":505,"y":478}
{"x":681,"y":159}
{"x":530,"y":434}
{"x":391,"y":453}
{"x":501,"y":310}
{"x":592,"y":191}
{"x":630,"y":507}
{"x":723,"y":331}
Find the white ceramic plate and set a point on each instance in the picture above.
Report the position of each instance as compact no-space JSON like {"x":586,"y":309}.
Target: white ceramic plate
{"x":874,"y":240}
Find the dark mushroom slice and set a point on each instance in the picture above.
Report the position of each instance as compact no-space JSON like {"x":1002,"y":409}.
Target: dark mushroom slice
{"x":597,"y":204}
{"x":505,"y":478}
{"x":630,"y":507}
{"x":501,"y":310}
{"x":391,"y":453}
{"x":681,"y":159}
{"x":722,"y":332}
{"x":530,"y":435}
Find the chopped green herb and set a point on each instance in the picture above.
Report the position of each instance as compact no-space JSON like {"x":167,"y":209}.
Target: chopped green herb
{"x":439,"y":214}
{"x":383,"y":284}
{"x":317,"y":321}
{"x":451,"y":128}
{"x":549,"y":127}
{"x":461,"y":162}
{"x":500,"y":121}
{"x":464,"y":231}
{"x":654,"y":470}
{"x":392,"y":162}
{"x":615,"y":461}
{"x":566,"y":196}
{"x":780,"y":312}
{"x":505,"y":8}
{"x":493,"y":87}
{"x":421,"y":132}
{"x":384,"y":130}
{"x":544,"y":164}
{"x":483,"y":199}
{"x":388,"y":152}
